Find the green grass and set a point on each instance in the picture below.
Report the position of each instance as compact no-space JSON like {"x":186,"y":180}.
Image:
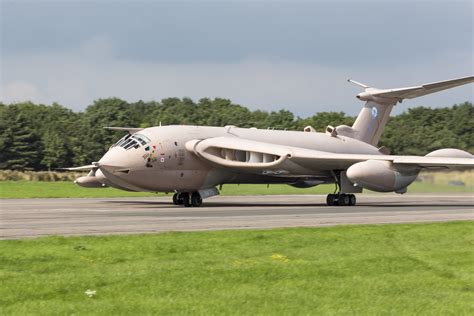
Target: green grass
{"x":380,"y":269}
{"x":37,"y":189}
{"x":59,"y":189}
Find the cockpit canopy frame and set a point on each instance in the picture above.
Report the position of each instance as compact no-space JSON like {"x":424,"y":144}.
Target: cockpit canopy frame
{"x":130,"y":141}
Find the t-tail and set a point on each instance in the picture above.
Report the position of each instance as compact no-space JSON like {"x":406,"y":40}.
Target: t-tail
{"x":373,"y":117}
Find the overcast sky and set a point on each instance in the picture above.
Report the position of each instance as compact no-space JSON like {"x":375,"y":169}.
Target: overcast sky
{"x":266,"y":55}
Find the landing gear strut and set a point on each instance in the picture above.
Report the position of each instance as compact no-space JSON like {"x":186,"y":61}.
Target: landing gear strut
{"x":339,"y":198}
{"x":187,"y":199}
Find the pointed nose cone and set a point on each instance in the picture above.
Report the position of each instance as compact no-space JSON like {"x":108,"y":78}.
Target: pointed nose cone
{"x":119,"y":158}
{"x":118,"y":166}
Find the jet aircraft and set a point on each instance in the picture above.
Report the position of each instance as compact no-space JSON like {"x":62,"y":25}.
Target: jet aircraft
{"x":193,"y":161}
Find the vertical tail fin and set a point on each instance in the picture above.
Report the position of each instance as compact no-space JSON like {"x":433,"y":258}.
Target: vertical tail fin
{"x":371,"y":121}
{"x":373,"y":117}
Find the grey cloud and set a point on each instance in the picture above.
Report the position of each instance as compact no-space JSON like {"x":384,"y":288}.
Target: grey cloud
{"x":304,"y":88}
{"x":367,"y":32}
{"x":269,"y":56}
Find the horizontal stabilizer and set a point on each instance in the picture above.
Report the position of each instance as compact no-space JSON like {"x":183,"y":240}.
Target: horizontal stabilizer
{"x":392,"y":96}
{"x":413,"y":92}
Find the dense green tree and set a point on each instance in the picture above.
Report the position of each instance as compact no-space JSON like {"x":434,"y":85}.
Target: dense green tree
{"x":282,"y":119}
{"x":5,"y":137}
{"x":56,"y":152}
{"x":321,"y":120}
{"x":93,"y":138}
{"x":24,"y":151}
{"x":421,"y":130}
{"x":461,"y":123}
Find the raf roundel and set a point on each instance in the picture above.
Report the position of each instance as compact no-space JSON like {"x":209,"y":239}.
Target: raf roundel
{"x":374,"y":112}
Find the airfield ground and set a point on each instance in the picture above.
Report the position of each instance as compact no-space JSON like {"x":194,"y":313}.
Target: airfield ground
{"x":40,"y":217}
{"x":377,"y":269}
{"x":423,"y":268}
{"x":63,"y":189}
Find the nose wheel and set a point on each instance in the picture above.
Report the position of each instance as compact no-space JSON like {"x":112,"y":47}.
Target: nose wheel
{"x":341,"y":199}
{"x":187,"y":199}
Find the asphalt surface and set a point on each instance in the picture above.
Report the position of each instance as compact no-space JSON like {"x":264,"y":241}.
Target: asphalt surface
{"x":39,"y":217}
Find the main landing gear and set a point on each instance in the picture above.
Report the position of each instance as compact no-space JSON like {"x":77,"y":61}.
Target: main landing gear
{"x":187,"y":199}
{"x":341,"y":199}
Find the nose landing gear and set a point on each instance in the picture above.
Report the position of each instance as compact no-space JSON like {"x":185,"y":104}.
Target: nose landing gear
{"x":187,"y":199}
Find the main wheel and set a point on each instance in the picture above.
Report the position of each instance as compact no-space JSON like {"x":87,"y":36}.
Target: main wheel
{"x":344,"y":199}
{"x":352,"y":200}
{"x":176,"y":199}
{"x":330,"y":199}
{"x":196,"y":199}
{"x":185,"y":198}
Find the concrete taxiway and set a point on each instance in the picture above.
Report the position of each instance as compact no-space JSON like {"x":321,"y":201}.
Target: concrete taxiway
{"x":39,"y":217}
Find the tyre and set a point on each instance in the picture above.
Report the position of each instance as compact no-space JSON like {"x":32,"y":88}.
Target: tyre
{"x":330,"y":199}
{"x":352,"y":200}
{"x":196,"y":199}
{"x":343,"y":200}
{"x":185,"y":198}
{"x":176,"y":199}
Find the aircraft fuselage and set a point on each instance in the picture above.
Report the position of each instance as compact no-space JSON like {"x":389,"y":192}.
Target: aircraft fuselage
{"x":165,"y":165}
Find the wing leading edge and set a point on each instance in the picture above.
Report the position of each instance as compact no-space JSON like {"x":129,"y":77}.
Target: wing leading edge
{"x":250,"y":156}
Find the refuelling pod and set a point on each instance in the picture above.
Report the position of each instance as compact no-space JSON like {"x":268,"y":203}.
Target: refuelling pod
{"x":89,"y":182}
{"x":381,"y":176}
{"x":96,"y":179}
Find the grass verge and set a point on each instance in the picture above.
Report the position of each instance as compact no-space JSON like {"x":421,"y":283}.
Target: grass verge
{"x":61,"y":189}
{"x":379,"y":269}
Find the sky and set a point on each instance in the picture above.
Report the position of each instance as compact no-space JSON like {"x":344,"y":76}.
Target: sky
{"x":261,"y":54}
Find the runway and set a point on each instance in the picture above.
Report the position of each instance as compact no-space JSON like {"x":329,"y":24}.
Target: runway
{"x":40,"y":217}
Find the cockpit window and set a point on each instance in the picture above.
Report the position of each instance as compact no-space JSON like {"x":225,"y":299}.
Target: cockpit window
{"x":130,"y":144}
{"x":132,"y":141}
{"x":122,"y":140}
{"x":142,"y":139}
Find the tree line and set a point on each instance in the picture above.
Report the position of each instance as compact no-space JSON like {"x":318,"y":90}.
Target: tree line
{"x":44,"y":137}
